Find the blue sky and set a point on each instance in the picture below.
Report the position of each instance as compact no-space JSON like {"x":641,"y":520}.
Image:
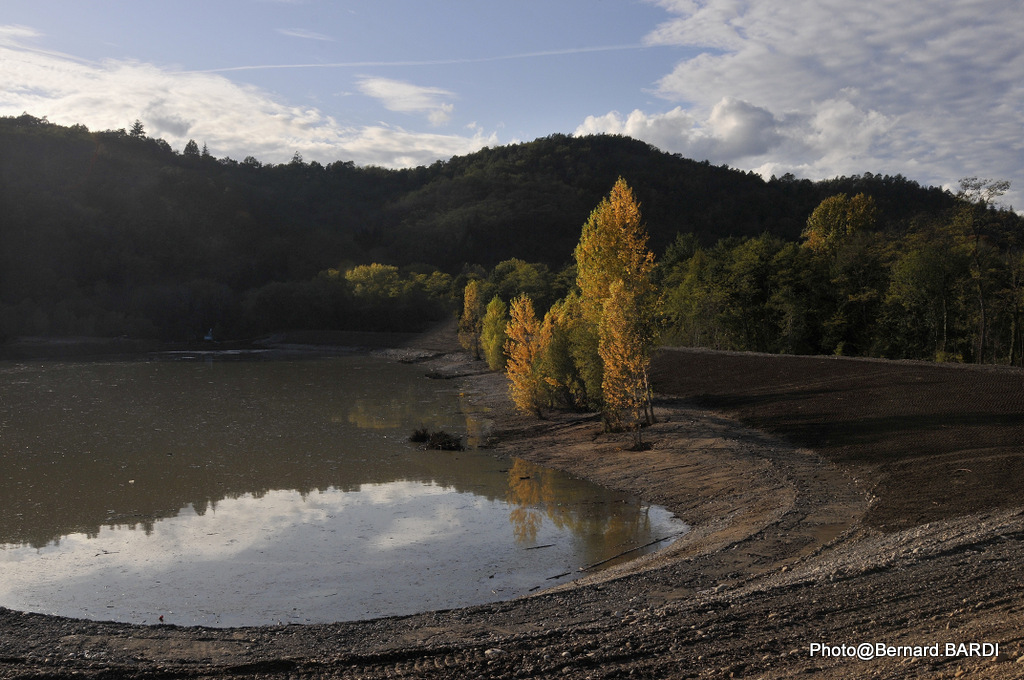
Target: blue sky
{"x":932,"y":90}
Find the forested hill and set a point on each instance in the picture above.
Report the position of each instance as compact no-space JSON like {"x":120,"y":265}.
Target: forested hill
{"x":530,"y":200}
{"x":113,"y":232}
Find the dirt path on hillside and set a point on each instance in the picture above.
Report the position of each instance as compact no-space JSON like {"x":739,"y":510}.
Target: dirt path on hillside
{"x":826,"y":524}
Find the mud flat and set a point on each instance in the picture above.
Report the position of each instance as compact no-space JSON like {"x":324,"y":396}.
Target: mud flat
{"x":832,"y":502}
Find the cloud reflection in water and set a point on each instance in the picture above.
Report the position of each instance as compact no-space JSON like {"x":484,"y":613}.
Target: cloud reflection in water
{"x":392,"y":548}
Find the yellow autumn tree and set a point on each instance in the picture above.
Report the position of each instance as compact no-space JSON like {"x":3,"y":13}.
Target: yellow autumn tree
{"x":618,"y":302}
{"x":625,"y":353}
{"x":836,"y":218}
{"x":613,"y":247}
{"x":522,"y":351}
{"x":470,"y":323}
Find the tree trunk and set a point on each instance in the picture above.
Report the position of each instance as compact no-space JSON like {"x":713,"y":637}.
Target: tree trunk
{"x":982,"y":324}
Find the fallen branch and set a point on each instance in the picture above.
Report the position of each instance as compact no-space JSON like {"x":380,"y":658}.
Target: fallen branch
{"x":626,"y":552}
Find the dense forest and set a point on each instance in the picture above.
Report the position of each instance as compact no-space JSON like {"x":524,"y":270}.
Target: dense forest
{"x":114,"y":233}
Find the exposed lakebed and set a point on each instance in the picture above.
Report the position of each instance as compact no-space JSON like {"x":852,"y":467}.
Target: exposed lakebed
{"x":249,"y":492}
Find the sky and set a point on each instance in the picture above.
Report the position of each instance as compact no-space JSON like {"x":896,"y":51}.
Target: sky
{"x":932,"y":90}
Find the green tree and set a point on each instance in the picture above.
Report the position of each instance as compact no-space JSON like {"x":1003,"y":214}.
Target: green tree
{"x":375,"y":281}
{"x":191,"y":149}
{"x":677,"y":254}
{"x":858,"y":278}
{"x":798,"y":295}
{"x":748,"y":275}
{"x":513,"y":277}
{"x":969,"y":223}
{"x":747,"y":294}
{"x":840,"y":231}
{"x":564,"y":386}
{"x":694,"y":303}
{"x":472,"y":318}
{"x":492,"y":333}
{"x":923,"y":315}
{"x":1011,"y":231}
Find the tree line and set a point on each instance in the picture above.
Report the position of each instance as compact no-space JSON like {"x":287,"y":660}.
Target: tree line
{"x":115,"y":233}
{"x":947,"y":289}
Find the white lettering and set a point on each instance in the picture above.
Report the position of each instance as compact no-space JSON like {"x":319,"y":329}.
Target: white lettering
{"x":866,"y":651}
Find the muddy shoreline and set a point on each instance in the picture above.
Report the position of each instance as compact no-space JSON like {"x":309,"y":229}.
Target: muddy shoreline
{"x":783,"y":553}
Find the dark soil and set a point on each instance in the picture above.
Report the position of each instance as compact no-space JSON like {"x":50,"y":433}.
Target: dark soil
{"x":831,"y":501}
{"x":936,"y":441}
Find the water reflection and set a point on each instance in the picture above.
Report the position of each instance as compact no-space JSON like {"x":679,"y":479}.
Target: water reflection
{"x":273,"y":491}
{"x":601,"y":522}
{"x":90,"y":445}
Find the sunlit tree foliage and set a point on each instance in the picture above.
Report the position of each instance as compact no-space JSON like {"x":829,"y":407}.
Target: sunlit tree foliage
{"x":522,"y":349}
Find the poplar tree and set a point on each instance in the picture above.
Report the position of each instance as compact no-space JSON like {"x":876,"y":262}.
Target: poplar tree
{"x":522,"y":350}
{"x":471,"y":320}
{"x":492,"y":333}
{"x":613,"y":247}
{"x":624,"y":351}
{"x":618,"y":302}
{"x":562,"y":381}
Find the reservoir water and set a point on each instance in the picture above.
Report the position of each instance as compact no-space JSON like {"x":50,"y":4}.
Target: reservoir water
{"x":228,"y":493}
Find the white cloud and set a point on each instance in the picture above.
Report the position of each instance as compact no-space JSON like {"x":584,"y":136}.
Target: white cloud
{"x":674,"y":130}
{"x":403,"y":97}
{"x":232,"y":119}
{"x":397,"y":148}
{"x":742,"y":128}
{"x":827,"y":87}
{"x":733,"y":130}
{"x":14,"y":34}
{"x":304,"y":34}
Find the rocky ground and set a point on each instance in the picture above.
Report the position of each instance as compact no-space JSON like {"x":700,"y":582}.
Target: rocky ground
{"x":833,"y":502}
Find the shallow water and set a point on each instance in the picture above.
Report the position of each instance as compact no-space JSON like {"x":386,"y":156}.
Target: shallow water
{"x":248,"y":492}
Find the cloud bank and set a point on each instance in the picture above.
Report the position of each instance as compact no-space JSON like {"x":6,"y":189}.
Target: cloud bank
{"x":233,"y":119}
{"x":821,"y":88}
{"x":814,"y":87}
{"x":408,"y":98}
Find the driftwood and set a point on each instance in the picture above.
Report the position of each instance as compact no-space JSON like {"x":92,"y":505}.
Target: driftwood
{"x":552,"y":578}
{"x":626,"y":552}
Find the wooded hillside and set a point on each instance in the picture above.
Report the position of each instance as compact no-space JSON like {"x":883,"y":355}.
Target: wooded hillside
{"x":114,"y":233}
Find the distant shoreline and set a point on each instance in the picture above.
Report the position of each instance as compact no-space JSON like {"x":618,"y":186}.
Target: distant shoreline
{"x":81,"y":347}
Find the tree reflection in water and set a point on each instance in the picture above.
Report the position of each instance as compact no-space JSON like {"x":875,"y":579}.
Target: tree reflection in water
{"x":607,"y":527}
